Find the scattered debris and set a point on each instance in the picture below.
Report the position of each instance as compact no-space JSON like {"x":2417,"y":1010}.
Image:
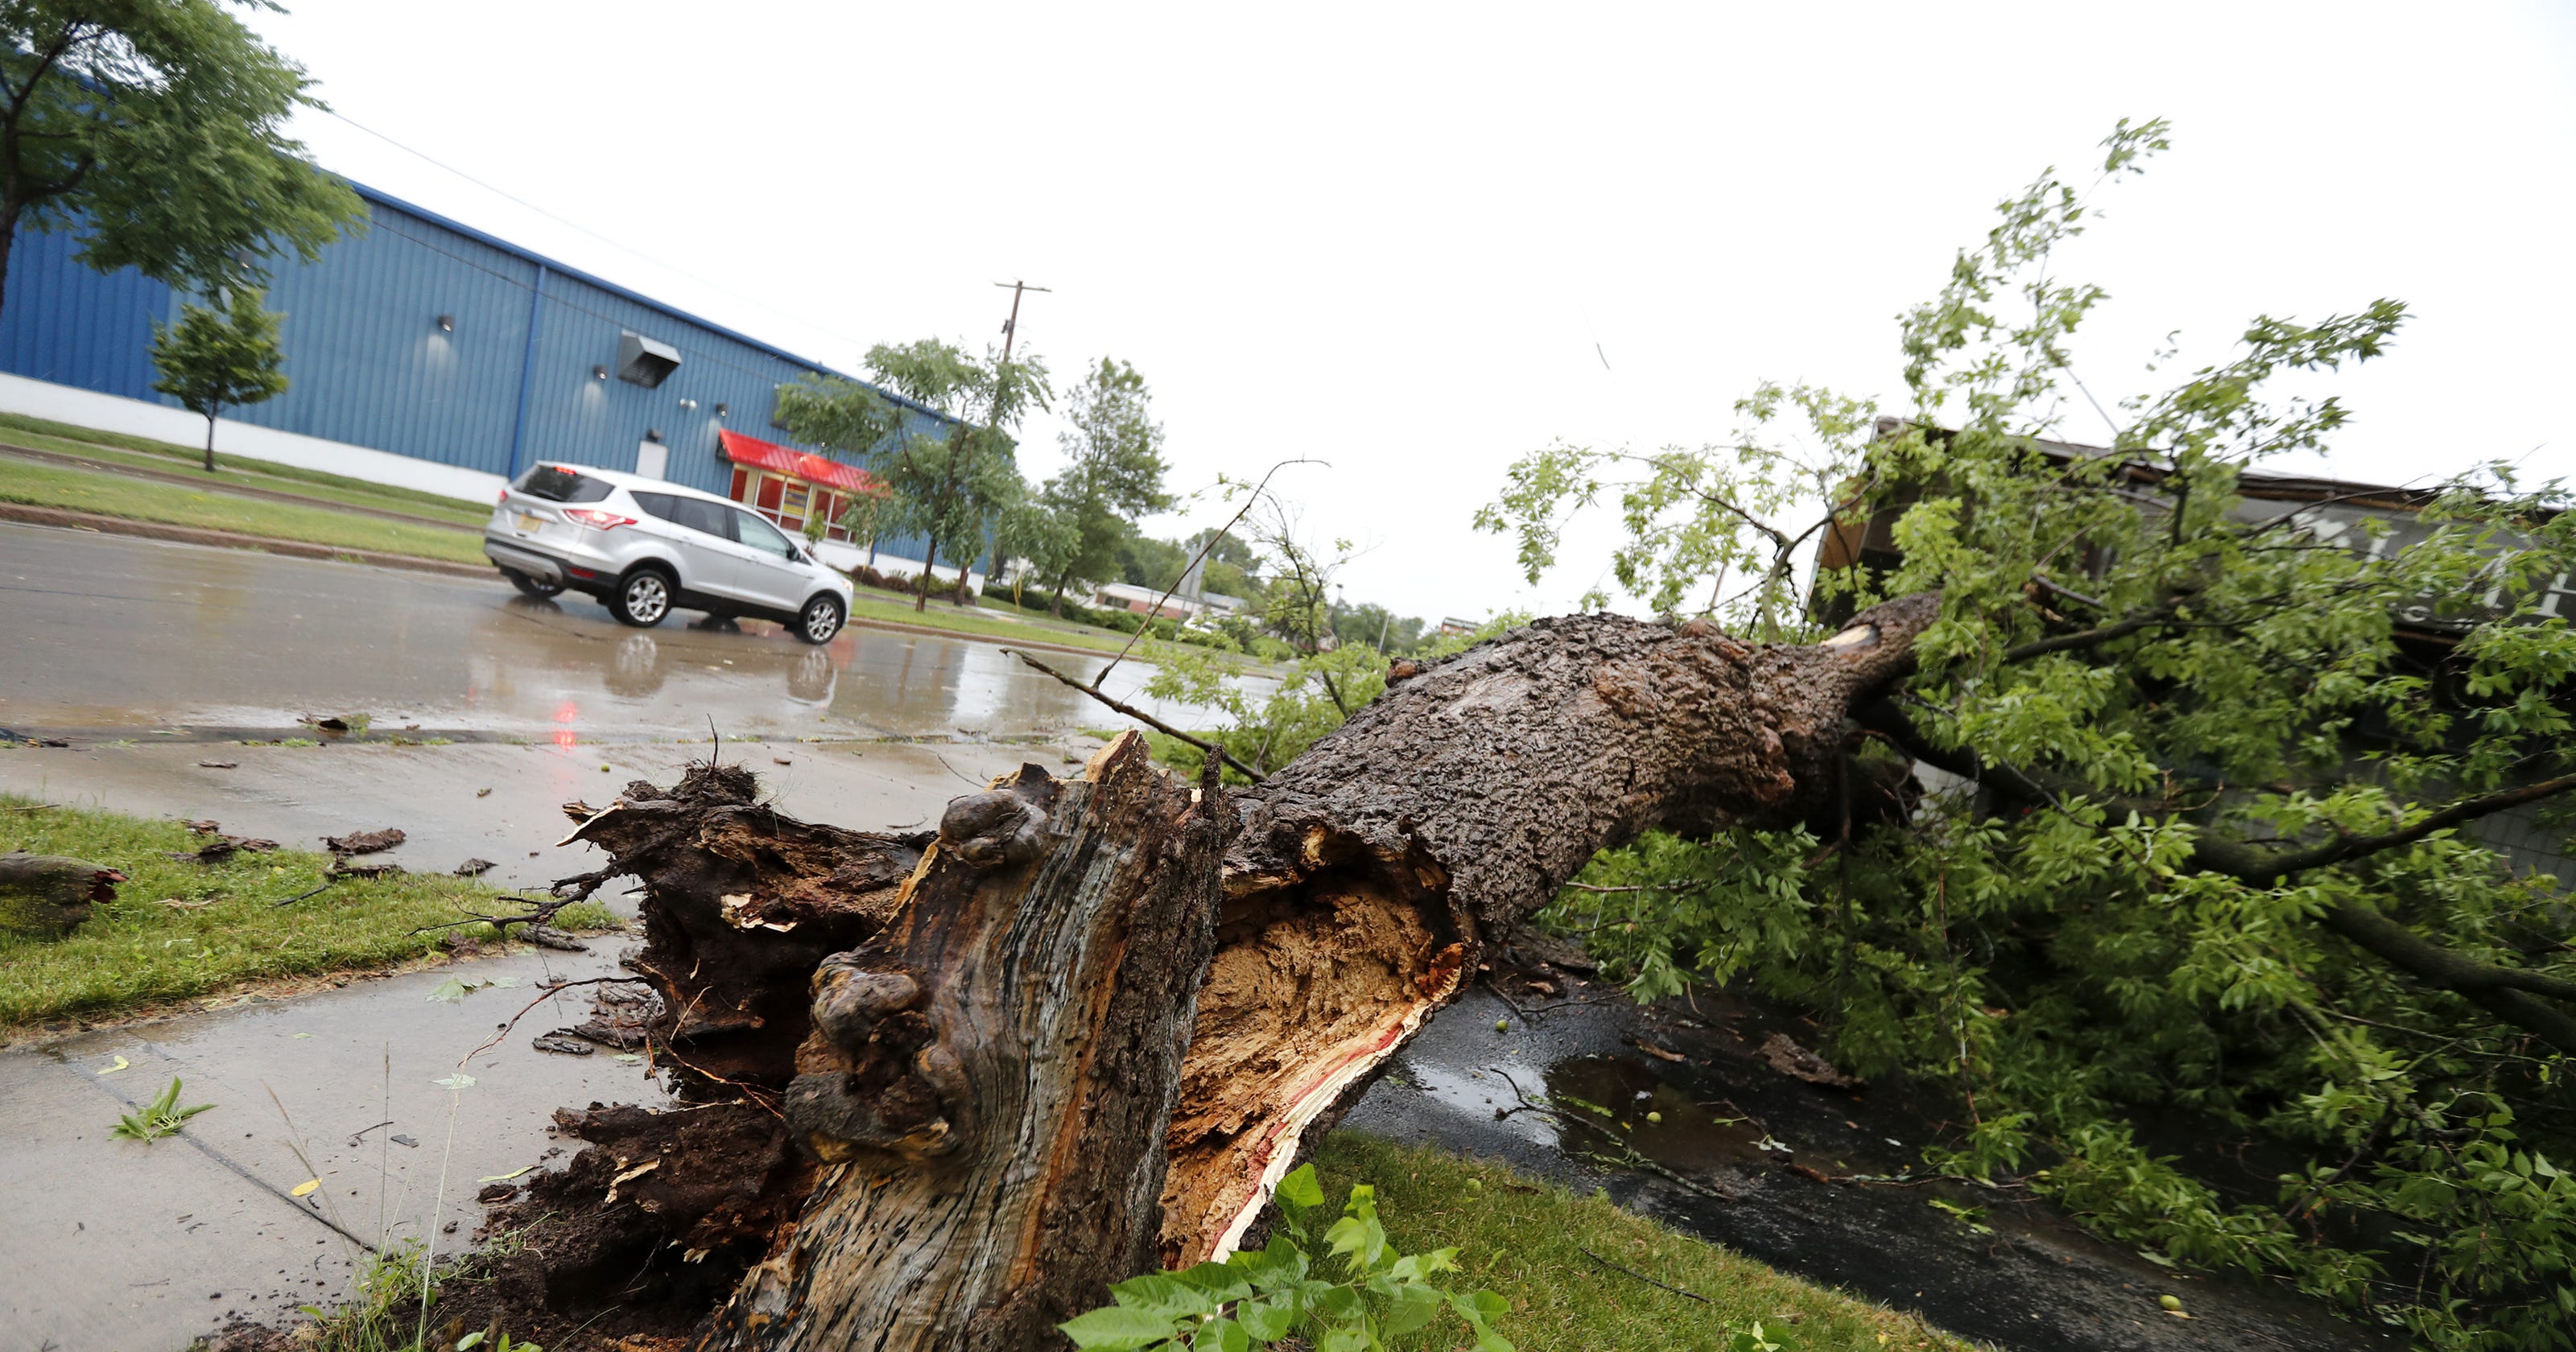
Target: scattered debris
{"x":342,"y":868}
{"x":364,"y":842}
{"x":454,"y":990}
{"x":405,"y":1141}
{"x":177,"y":904}
{"x":564,"y":1041}
{"x":482,"y":793}
{"x":474,"y":868}
{"x":221,"y":848}
{"x":1659,"y":1053}
{"x":362,"y":1131}
{"x":203,"y":828}
{"x":219,"y":765}
{"x":781,"y":760}
{"x":337,"y":724}
{"x":1790,"y":1059}
{"x":547,"y":936}
{"x":497,"y":1192}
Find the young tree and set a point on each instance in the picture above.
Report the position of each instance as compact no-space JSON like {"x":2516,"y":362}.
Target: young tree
{"x":1034,"y":532}
{"x":949,"y":485}
{"x":156,"y":129}
{"x":1113,"y":471}
{"x":213,"y":359}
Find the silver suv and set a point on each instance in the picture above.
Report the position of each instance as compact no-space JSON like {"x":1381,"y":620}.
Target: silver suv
{"x":646,"y":547}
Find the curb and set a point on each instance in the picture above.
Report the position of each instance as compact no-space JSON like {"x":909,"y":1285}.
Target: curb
{"x":64,"y":518}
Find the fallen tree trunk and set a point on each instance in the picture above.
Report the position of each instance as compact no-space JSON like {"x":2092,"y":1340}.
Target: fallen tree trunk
{"x":1090,"y":1024}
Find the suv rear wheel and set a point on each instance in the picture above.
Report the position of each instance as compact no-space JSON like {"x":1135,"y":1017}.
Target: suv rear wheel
{"x":819,"y":620}
{"x":642,"y":598}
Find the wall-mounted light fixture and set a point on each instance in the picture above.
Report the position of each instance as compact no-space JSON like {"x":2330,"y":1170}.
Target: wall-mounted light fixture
{"x":688,"y":405}
{"x":447,"y":323}
{"x":652,"y":434}
{"x":599,"y":373}
{"x":723,"y":409}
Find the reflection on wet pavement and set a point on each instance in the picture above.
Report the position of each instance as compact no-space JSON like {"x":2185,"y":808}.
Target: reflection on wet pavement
{"x":111,"y":633}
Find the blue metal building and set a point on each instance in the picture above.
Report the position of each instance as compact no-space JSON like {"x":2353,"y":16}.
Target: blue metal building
{"x":430,"y":339}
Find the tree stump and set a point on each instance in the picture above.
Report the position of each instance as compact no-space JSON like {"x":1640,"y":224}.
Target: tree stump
{"x":47,"y":896}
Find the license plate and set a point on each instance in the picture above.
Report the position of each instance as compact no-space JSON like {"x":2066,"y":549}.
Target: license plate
{"x":530,"y":525}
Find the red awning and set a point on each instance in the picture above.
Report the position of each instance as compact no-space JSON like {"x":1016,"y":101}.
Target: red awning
{"x":769,"y":455}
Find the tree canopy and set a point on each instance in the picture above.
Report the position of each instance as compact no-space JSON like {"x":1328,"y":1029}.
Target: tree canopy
{"x":156,"y":130}
{"x":2206,"y":770}
{"x":1113,"y":471}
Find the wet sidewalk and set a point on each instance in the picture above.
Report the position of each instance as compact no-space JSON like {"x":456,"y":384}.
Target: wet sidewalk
{"x":120,"y":1244}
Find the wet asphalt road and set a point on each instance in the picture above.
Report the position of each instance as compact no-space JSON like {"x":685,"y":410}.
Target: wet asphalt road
{"x":118,"y":636}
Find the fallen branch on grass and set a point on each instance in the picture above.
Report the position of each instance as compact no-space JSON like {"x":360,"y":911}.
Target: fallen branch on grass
{"x":1616,"y":1267}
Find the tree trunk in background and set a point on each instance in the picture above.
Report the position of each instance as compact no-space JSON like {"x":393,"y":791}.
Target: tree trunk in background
{"x":929,"y":556}
{"x":1081,"y":1000}
{"x":210,"y":443}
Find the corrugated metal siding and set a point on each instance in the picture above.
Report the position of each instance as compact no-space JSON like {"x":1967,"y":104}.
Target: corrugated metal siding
{"x":367,"y":364}
{"x":67,"y":324}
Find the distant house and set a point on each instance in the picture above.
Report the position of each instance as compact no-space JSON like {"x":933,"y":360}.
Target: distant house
{"x":1143,"y":601}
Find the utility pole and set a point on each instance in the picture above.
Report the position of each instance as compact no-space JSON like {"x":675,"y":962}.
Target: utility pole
{"x":1010,"y":334}
{"x":1011,"y":326}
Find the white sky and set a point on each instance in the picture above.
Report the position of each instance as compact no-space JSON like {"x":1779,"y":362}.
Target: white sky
{"x":1391,"y":236}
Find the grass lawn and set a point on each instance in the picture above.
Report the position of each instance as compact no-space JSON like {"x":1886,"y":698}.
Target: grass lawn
{"x":146,"y":500}
{"x":145,"y":452}
{"x":1524,"y":1241}
{"x":138,"y":950}
{"x":876,"y":605}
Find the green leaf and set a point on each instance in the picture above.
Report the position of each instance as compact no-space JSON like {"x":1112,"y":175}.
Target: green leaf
{"x":1116,"y":1328}
{"x":1164,"y":1296}
{"x":1222,"y":1283}
{"x":1221,"y":1335}
{"x":1299,"y":1189}
{"x":1267,"y":1320}
{"x":451,"y":991}
{"x":1414,"y":1306}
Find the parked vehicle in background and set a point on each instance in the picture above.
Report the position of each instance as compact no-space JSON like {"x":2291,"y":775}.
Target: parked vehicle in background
{"x":646,"y":547}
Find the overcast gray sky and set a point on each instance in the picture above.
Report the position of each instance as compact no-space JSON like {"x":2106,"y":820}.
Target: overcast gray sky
{"x":1404,"y":238}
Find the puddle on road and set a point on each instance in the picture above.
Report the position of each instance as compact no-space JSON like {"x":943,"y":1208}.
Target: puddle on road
{"x":1682,"y":1134}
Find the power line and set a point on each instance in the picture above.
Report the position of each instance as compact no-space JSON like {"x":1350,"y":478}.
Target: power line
{"x":628,"y":249}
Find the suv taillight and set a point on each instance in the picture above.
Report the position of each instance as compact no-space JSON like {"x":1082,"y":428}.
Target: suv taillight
{"x":597,"y":519}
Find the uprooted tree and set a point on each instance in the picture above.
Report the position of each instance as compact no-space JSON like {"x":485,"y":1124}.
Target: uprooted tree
{"x":2208,"y":758}
{"x":1083,"y":1028}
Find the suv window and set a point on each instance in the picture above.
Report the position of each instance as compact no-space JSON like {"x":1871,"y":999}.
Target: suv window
{"x":554,"y":483}
{"x":760,"y":535}
{"x":694,"y":513}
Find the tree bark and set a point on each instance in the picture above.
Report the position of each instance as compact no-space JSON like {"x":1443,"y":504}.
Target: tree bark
{"x":210,"y":443}
{"x":1088,"y":1027}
